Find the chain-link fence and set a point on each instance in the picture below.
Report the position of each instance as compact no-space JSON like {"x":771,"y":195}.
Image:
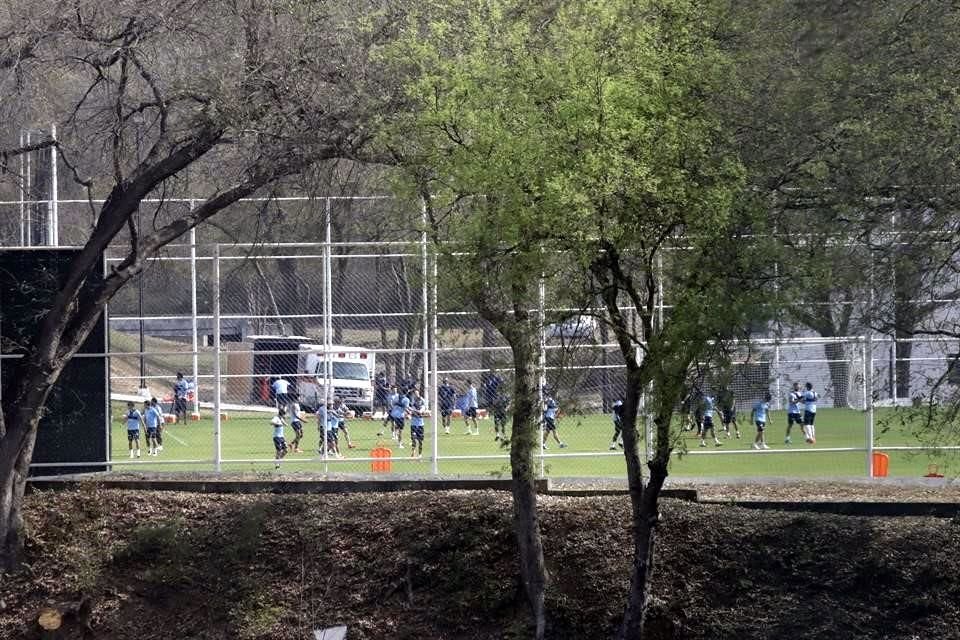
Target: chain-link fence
{"x":332,"y":322}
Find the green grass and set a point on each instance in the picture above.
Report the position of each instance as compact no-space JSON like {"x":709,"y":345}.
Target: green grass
{"x":249,"y":436}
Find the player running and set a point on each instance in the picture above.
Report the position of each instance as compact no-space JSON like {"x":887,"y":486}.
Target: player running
{"x":500,"y":403}
{"x":296,"y":423}
{"x":446,"y":397}
{"x":416,"y":425}
{"x":810,"y":398}
{"x":727,"y":404}
{"x":392,"y":399}
{"x":340,"y":409}
{"x":550,"y":422}
{"x":793,"y":410}
{"x":761,"y":409}
{"x":398,"y":414}
{"x":617,"y":440}
{"x":470,"y":412}
{"x":709,"y":403}
{"x":279,"y":444}
{"x":134,"y":422}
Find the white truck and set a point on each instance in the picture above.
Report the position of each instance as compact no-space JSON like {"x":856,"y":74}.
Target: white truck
{"x":352,"y":371}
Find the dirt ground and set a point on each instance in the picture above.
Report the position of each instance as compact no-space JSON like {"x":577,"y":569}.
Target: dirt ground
{"x":439,"y":565}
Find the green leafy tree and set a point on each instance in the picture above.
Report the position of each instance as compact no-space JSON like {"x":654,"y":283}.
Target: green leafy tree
{"x":580,"y":140}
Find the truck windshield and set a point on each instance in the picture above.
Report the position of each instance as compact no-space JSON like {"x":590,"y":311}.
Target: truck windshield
{"x":345,"y":370}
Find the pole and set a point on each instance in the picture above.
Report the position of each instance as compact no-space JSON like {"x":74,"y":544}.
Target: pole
{"x":193,"y":316}
{"x":542,"y":357}
{"x":28,"y":236}
{"x":143,"y":379}
{"x":216,"y":358}
{"x":53,"y":221}
{"x":327,"y":324}
{"x":22,"y":190}
{"x":435,"y":404}
{"x":868,"y":397}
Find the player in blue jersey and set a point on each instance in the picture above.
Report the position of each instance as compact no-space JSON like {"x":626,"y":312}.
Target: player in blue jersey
{"x":551,"y":409}
{"x":181,"y":389}
{"x":810,"y":398}
{"x":158,"y":410}
{"x":417,"y":409}
{"x":333,"y":432}
{"x":708,"y":403}
{"x":341,"y":409}
{"x":392,"y":399}
{"x":470,"y":410}
{"x":617,"y":440}
{"x":446,"y":397}
{"x":760,"y":414}
{"x":134,"y":421}
{"x":793,"y":410}
{"x":296,"y":423}
{"x":398,"y":414}
{"x":279,"y":444}
{"x":152,"y":424}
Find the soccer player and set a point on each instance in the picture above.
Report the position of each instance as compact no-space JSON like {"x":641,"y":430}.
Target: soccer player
{"x":709,"y":402}
{"x":392,"y":398}
{"x":500,"y":403}
{"x":180,"y":390}
{"x":381,"y":392}
{"x":550,"y":422}
{"x":296,"y":423}
{"x":761,"y":410}
{"x":332,"y":433}
{"x":416,"y":425}
{"x":340,"y":410}
{"x":793,"y":410}
{"x":398,"y":414}
{"x":810,"y":398}
{"x":152,"y":425}
{"x":446,"y":396}
{"x":155,"y":407}
{"x":134,"y":422}
{"x":470,"y":413}
{"x":281,"y":392}
{"x":617,"y":425}
{"x":728,"y":411}
{"x":322,"y":420}
{"x":279,"y":444}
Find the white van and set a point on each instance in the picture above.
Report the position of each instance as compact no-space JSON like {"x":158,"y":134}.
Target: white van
{"x":353,"y":369}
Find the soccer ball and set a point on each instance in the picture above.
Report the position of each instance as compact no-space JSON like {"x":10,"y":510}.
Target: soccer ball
{"x":811,"y":441}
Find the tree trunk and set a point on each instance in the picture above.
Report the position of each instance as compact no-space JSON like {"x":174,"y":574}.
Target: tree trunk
{"x":839,"y":371}
{"x":524,"y":441}
{"x":902,"y":353}
{"x":644,"y":502}
{"x":290,"y":298}
{"x":14,"y":468}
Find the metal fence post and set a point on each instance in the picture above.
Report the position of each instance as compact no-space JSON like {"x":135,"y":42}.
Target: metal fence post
{"x":868,"y":397}
{"x":216,"y":359}
{"x":434,"y":367}
{"x":542,"y":337}
{"x":193,"y":316}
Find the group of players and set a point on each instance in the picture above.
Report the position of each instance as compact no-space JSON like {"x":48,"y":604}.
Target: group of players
{"x":332,"y":427}
{"x":148,"y":422}
{"x":701,"y":415}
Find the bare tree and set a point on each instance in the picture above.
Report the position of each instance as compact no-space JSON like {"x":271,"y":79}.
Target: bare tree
{"x":244,"y":93}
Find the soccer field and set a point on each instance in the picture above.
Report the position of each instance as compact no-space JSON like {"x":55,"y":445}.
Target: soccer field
{"x":247,"y":446}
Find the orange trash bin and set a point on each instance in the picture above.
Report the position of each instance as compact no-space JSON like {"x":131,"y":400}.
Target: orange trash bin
{"x":881,"y":464}
{"x":382,"y":464}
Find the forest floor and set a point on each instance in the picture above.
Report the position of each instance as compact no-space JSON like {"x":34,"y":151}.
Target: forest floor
{"x":438,"y":565}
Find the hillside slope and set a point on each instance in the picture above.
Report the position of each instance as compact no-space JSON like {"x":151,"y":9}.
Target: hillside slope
{"x":434,"y":565}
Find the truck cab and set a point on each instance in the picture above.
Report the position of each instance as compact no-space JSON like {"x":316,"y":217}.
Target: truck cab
{"x":351,"y":376}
